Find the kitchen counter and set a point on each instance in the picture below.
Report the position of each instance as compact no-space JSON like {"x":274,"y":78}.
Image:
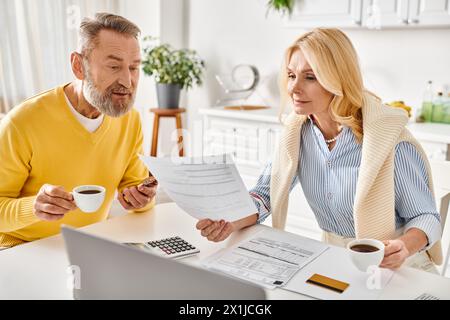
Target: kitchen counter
{"x":265,"y":115}
{"x":436,"y":132}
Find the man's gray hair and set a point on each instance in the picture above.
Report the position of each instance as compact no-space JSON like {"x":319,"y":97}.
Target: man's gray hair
{"x":90,"y":28}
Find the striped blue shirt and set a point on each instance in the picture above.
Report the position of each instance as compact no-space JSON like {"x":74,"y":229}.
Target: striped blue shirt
{"x":328,"y":179}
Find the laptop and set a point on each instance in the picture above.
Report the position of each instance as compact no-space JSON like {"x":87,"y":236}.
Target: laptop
{"x":110,"y":270}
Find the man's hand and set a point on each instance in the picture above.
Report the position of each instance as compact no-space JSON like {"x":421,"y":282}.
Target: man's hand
{"x":137,"y":197}
{"x":52,"y":203}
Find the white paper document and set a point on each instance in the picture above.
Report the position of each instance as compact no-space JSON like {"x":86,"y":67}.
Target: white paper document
{"x":335,"y":263}
{"x":270,"y":258}
{"x":206,"y":187}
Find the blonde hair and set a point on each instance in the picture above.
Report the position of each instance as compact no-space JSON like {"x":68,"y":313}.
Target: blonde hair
{"x":90,"y":28}
{"x":334,"y":61}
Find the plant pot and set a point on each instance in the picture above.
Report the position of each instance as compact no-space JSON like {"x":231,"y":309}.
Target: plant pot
{"x":168,"y":95}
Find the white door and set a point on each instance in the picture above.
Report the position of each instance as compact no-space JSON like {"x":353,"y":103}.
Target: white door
{"x":325,"y":13}
{"x":423,"y":13}
{"x":384,"y":13}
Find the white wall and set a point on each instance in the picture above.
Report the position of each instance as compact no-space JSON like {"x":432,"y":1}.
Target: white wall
{"x":163,"y":19}
{"x":146,"y":15}
{"x":396,"y":63}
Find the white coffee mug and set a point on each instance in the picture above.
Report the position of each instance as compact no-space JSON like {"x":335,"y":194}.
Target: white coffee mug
{"x":89,"y":198}
{"x":363,"y":259}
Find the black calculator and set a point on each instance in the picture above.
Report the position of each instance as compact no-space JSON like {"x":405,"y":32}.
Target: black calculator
{"x":174,"y":247}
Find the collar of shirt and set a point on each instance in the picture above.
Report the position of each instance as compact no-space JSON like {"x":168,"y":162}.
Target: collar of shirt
{"x":91,"y":125}
{"x":345,"y":140}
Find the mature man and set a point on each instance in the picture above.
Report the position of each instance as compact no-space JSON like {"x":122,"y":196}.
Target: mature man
{"x":84,"y":132}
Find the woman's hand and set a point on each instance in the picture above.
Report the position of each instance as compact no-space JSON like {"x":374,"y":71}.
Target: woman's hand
{"x":220,"y":230}
{"x":395,"y":254}
{"x":398,"y":250}
{"x":215,"y":231}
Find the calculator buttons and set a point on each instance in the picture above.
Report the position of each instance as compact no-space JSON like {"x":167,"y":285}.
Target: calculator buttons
{"x":172,"y":247}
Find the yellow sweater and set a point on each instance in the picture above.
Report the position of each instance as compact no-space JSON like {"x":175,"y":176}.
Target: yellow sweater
{"x":42,"y":142}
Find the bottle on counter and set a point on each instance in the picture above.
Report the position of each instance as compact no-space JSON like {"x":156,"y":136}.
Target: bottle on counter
{"x":427,"y":103}
{"x":438,"y":114}
{"x":447,"y":108}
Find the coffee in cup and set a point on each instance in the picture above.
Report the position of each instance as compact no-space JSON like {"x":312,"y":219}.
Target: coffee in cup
{"x":366,"y":252}
{"x":89,"y":198}
{"x":364,"y":248}
{"x":89,"y":191}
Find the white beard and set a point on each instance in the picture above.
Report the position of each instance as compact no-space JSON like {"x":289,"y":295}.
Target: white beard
{"x":104,"y":103}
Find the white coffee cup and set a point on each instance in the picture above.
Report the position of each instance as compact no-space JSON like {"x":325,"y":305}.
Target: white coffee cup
{"x":89,"y":198}
{"x":364,"y":259}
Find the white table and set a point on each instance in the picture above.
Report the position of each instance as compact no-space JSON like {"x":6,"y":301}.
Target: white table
{"x":38,"y":270}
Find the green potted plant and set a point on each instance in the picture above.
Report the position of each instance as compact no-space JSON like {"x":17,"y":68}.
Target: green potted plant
{"x":282,"y":6}
{"x":172,"y":69}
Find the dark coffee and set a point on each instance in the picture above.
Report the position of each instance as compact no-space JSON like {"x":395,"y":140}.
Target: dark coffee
{"x":89,"y":191}
{"x":364,"y":248}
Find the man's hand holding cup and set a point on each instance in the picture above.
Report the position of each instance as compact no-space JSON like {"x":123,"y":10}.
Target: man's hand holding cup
{"x":52,"y":203}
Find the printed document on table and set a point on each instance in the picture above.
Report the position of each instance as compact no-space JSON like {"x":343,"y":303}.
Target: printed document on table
{"x":270,"y":258}
{"x":205,"y":187}
{"x":336,"y":263}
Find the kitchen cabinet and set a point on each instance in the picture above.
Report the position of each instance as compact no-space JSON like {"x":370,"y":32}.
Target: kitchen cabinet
{"x":434,"y":138}
{"x":429,"y":13}
{"x":250,"y":136}
{"x":325,"y":13}
{"x":408,"y":13}
{"x":361,"y":13}
{"x":392,"y":13}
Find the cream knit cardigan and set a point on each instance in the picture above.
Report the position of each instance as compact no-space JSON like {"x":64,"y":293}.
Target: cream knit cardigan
{"x":374,"y":204}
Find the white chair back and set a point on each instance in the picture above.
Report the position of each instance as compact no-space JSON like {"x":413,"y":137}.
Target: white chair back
{"x":441,"y":181}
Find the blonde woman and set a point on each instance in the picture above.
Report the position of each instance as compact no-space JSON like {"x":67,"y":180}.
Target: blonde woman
{"x":363,"y":174}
